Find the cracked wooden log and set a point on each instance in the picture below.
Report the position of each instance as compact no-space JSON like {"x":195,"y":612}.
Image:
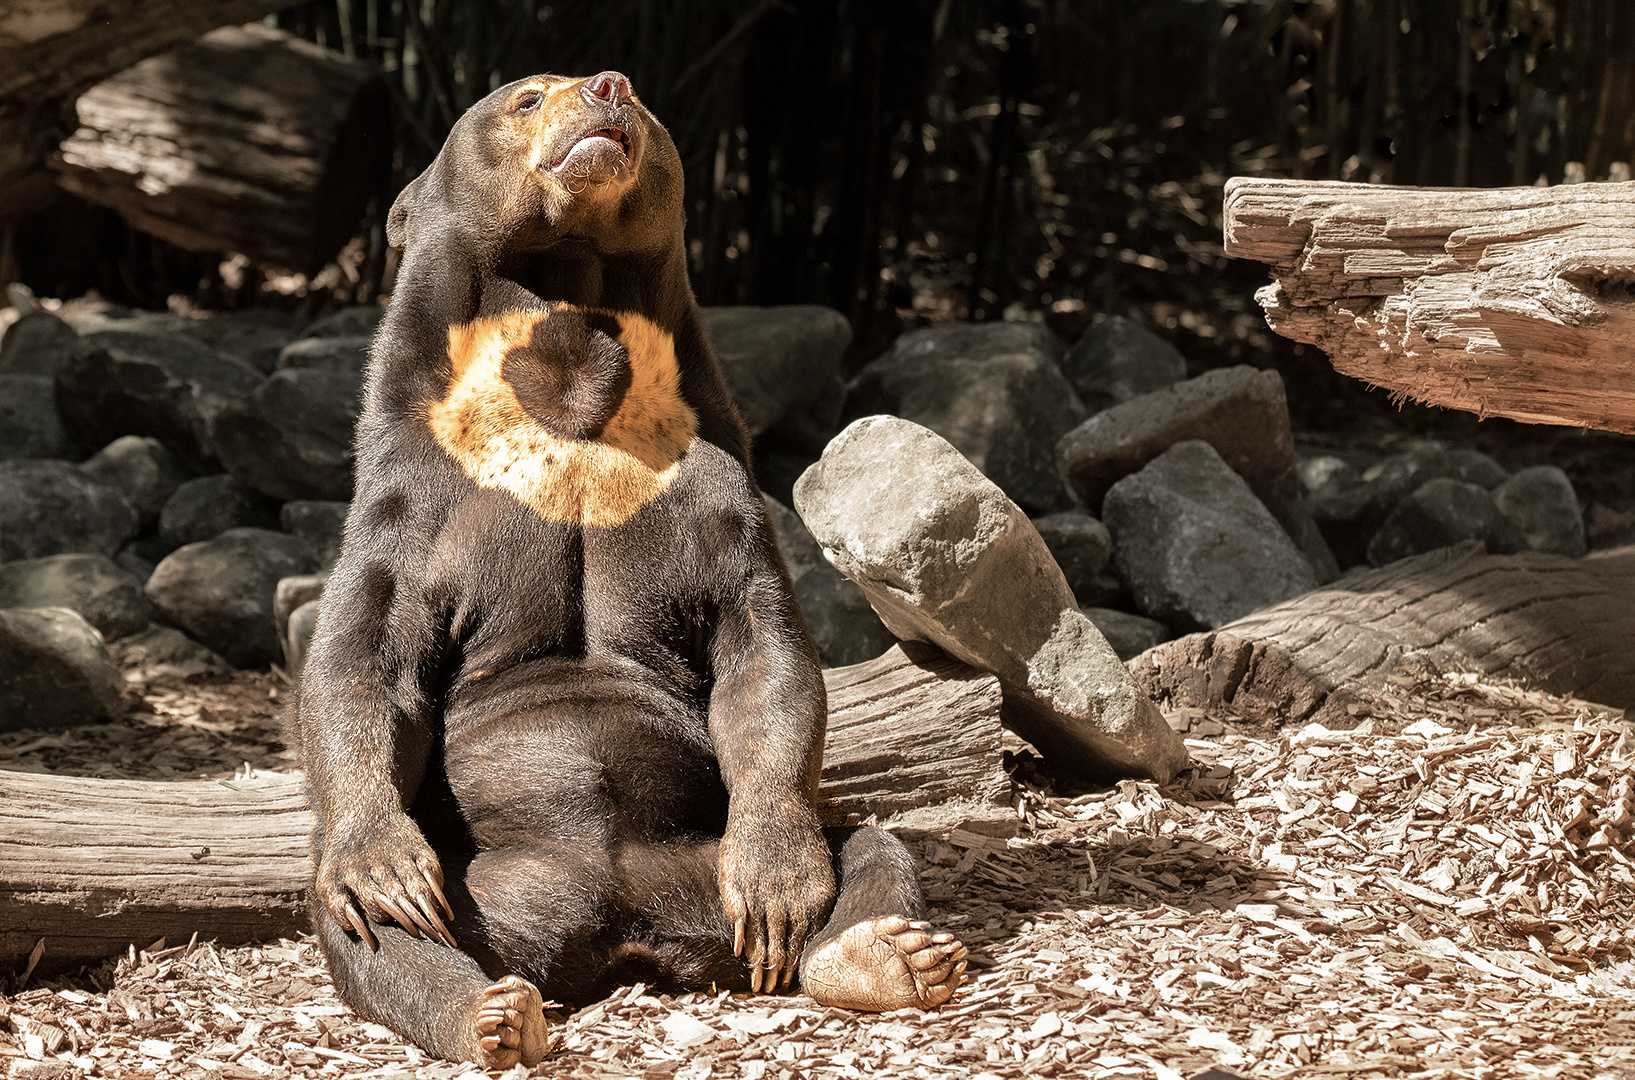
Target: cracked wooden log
{"x":1557,"y":624}
{"x":1515,"y":302}
{"x":52,"y":50}
{"x":92,"y":866}
{"x":249,"y":140}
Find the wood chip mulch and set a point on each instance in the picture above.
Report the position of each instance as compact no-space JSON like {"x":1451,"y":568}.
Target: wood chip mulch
{"x":1446,"y":891}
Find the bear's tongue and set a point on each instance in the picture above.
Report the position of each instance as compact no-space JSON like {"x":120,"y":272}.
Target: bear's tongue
{"x":597,"y":157}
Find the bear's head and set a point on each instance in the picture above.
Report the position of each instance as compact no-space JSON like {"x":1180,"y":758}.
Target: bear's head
{"x":547,"y":161}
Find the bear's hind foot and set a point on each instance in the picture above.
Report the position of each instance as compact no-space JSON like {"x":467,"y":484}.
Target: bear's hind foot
{"x":885,"y":963}
{"x":511,"y":1026}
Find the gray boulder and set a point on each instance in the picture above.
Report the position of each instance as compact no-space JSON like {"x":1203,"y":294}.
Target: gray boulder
{"x":106,"y":596}
{"x":945,"y":557}
{"x":141,"y":469}
{"x":208,"y":506}
{"x":115,"y":319}
{"x":1239,"y":411}
{"x":1541,"y":505}
{"x":29,"y":426}
{"x":254,"y":335}
{"x":166,"y":386}
{"x":164,"y":654}
{"x":1117,"y":360}
{"x":842,"y":625}
{"x":141,"y":555}
{"x":320,"y":522}
{"x":54,"y":671}
{"x":347,"y":355}
{"x":1196,"y":546}
{"x":1440,"y":513}
{"x":1002,"y":405}
{"x":779,"y":360}
{"x":220,"y":592}
{"x":36,"y":344}
{"x":353,"y":322}
{"x":1129,"y":635}
{"x":1082,"y":547}
{"x":292,"y":437}
{"x":50,"y":507}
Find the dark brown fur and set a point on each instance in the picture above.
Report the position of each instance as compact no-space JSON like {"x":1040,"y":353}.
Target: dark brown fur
{"x":600,"y":742}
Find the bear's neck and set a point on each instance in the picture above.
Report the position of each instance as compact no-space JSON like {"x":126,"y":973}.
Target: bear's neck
{"x":651,"y":284}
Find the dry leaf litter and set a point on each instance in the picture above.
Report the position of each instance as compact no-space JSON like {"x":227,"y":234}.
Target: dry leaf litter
{"x":1447,"y":890}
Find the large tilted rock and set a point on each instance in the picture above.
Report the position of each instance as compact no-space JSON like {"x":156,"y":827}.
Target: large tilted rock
{"x":1196,"y":546}
{"x":292,"y":437}
{"x":842,"y":625}
{"x":1082,"y":547}
{"x":776,"y":360}
{"x":1239,"y":411}
{"x":164,"y":385}
{"x":221,"y":591}
{"x":105,"y":595}
{"x":993,"y":390}
{"x":945,"y":557}
{"x":54,"y":671}
{"x":50,"y":507}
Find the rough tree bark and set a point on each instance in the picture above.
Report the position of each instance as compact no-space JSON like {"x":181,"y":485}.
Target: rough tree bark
{"x":52,"y":50}
{"x":1515,"y":302}
{"x":1557,"y":624}
{"x":94,"y":865}
{"x":249,"y":140}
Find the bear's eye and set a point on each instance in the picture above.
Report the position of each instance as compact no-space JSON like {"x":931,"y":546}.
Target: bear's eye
{"x":528,"y":102}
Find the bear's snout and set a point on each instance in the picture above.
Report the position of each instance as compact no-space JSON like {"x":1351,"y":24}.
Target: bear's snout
{"x":610,"y":87}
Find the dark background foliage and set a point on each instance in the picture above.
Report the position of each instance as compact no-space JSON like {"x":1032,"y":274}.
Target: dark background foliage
{"x":920,"y":160}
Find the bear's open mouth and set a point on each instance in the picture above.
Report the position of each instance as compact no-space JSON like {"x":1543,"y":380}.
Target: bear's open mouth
{"x":594,"y":142}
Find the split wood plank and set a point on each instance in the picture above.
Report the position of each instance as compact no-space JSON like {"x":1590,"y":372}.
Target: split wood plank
{"x":1515,"y":302}
{"x":1553,"y":623}
{"x":95,"y":865}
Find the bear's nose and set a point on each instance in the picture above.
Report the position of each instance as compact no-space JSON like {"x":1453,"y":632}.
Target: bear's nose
{"x":609,"y":86}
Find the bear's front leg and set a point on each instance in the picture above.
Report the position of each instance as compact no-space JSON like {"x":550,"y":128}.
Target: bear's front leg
{"x":777,"y":885}
{"x":383,"y":871}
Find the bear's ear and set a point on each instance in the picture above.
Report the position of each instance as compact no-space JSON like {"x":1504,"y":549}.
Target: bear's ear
{"x":400,"y":218}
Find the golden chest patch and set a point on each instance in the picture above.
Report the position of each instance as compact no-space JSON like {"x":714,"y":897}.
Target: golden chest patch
{"x":600,"y":481}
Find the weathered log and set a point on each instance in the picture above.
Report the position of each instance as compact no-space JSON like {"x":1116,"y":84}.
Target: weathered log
{"x":1515,"y":302}
{"x":94,"y":865}
{"x":249,"y":140}
{"x":52,"y":50}
{"x":1550,"y":622}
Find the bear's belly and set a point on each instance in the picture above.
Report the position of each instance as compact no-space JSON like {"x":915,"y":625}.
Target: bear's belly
{"x":577,"y":750}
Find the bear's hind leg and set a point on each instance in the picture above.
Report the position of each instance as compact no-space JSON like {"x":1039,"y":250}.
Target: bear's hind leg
{"x":436,"y":996}
{"x":875,"y":953}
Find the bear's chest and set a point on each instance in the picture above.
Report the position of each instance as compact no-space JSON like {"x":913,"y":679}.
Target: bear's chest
{"x":577,"y":416}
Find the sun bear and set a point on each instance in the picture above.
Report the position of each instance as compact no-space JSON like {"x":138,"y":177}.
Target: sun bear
{"x":561,"y":722}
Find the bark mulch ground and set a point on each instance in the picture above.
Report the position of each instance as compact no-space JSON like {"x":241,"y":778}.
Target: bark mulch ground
{"x":1446,"y":891}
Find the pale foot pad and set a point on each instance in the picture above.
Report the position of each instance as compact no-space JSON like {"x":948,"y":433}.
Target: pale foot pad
{"x":886,"y":963}
{"x":511,"y":1027}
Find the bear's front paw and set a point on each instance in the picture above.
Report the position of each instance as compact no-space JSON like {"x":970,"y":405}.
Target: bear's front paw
{"x":384,"y":874}
{"x":777,"y":885}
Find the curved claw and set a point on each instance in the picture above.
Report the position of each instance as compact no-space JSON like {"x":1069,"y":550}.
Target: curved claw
{"x":359,"y":924}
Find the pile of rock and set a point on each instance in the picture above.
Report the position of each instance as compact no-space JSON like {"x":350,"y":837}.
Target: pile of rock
{"x":194,"y":473}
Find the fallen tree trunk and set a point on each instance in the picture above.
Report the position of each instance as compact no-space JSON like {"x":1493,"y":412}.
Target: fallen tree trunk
{"x":1515,"y":302}
{"x":1562,"y":625}
{"x":92,"y":866}
{"x":249,"y":140}
{"x":52,"y":50}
